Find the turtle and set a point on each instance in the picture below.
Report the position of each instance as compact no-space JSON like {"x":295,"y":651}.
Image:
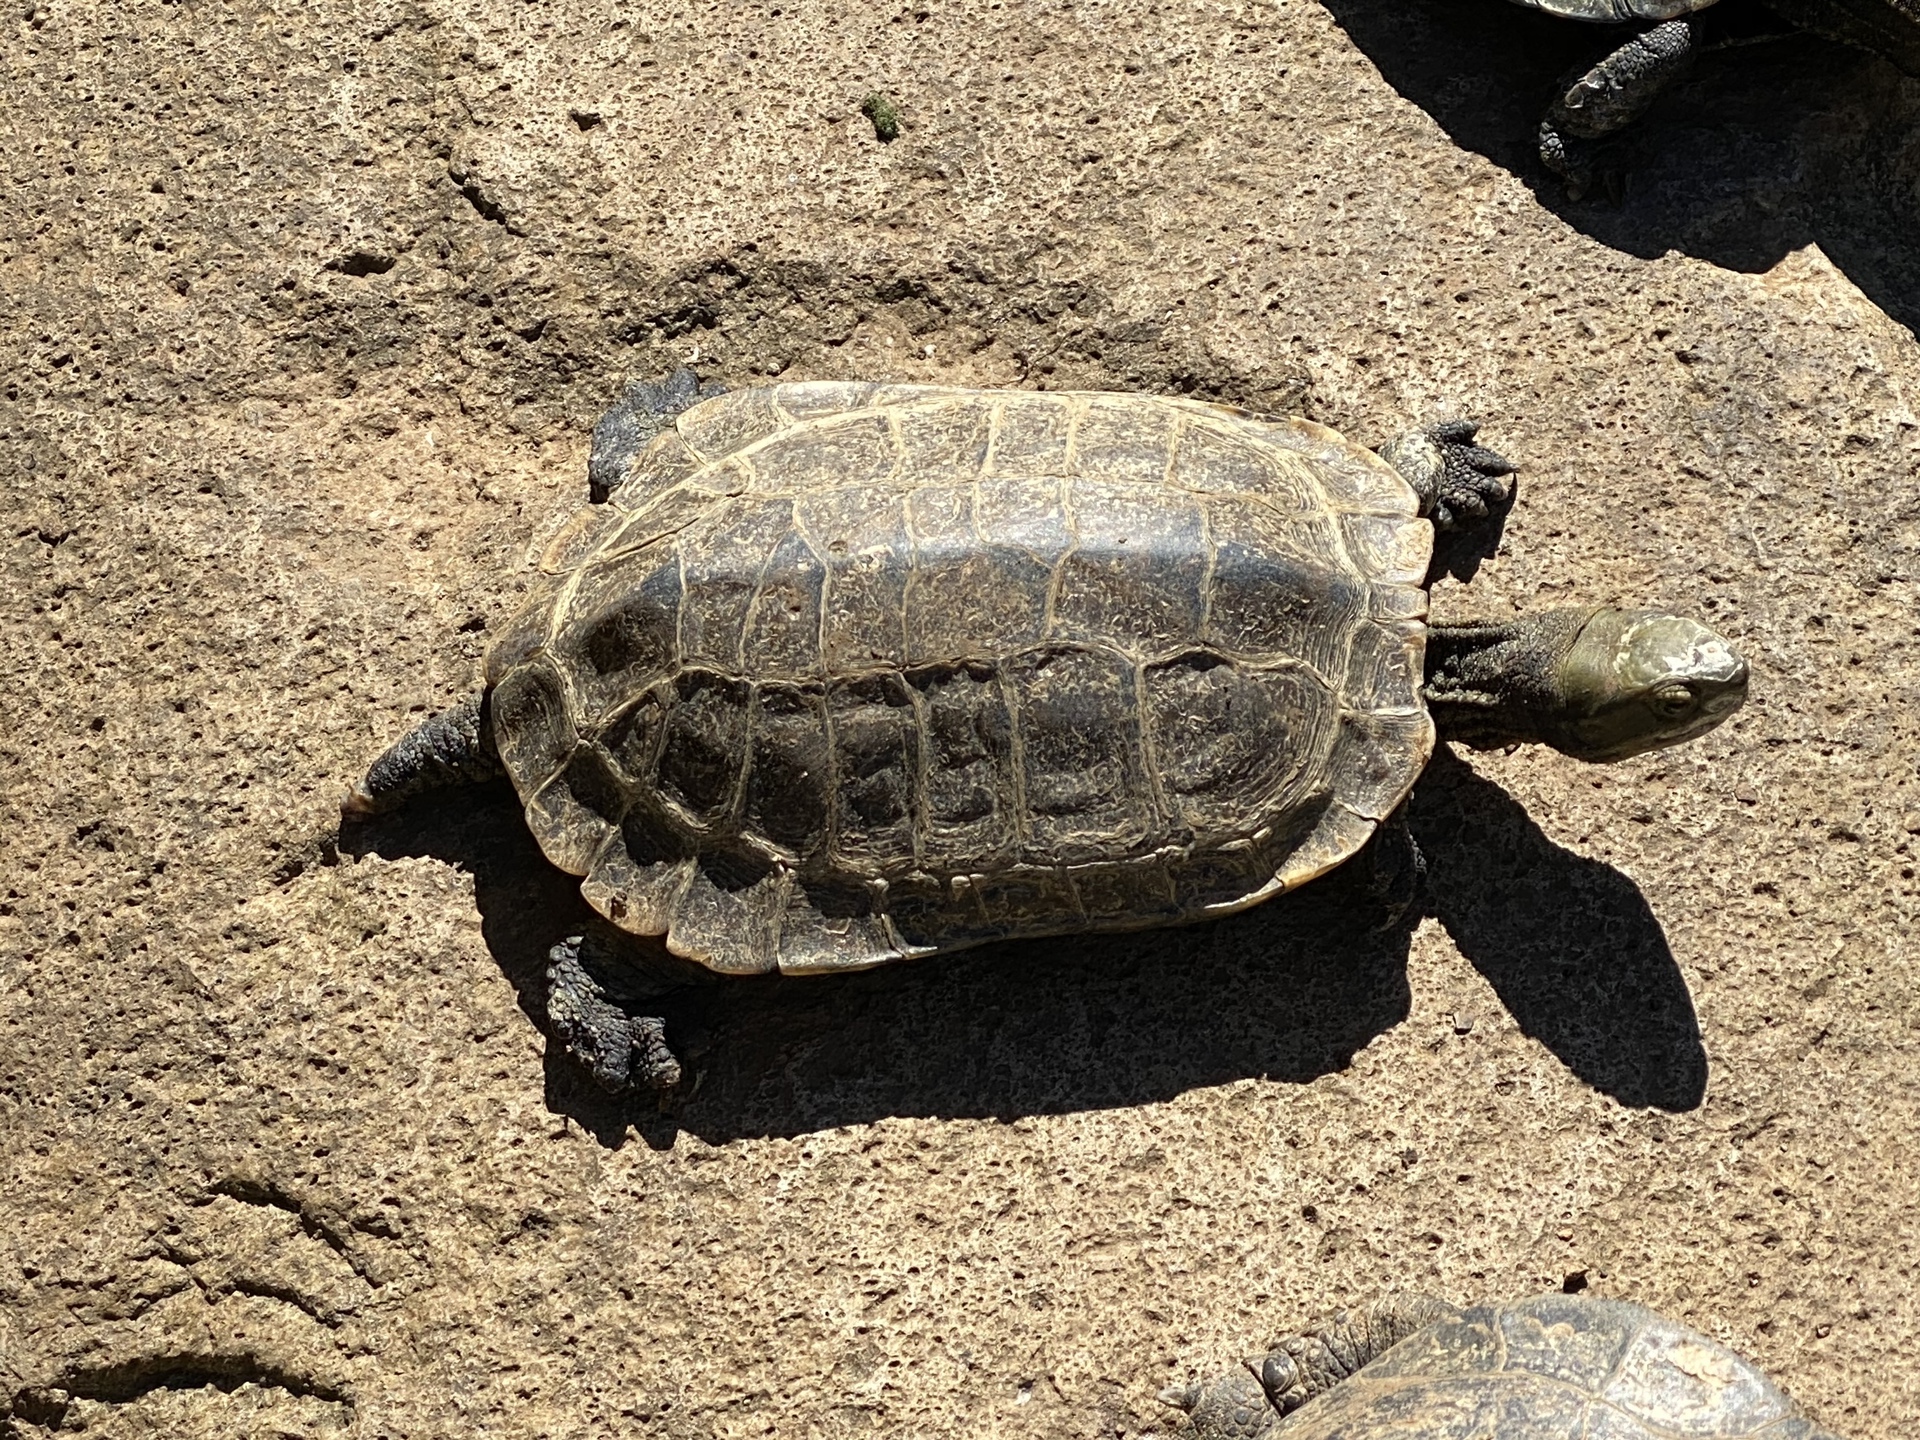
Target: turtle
{"x":1616,"y":91}
{"x":1556,"y":1367}
{"x":834,"y":673}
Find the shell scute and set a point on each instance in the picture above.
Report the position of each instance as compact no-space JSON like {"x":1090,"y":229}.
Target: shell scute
{"x":1014,"y":901}
{"x":1115,"y":442}
{"x":533,"y":722}
{"x":1138,"y":568}
{"x":862,"y":536}
{"x":638,"y":876}
{"x":668,"y":514}
{"x":1687,"y":1385}
{"x":847,"y":450}
{"x":623,"y":629}
{"x":1229,"y":740}
{"x":1222,"y":881}
{"x":1217,"y":458}
{"x":527,"y":631}
{"x":1566,"y":1337}
{"x":1082,"y":771}
{"x":1030,"y":435}
{"x":944,"y":438}
{"x":1387,"y":550}
{"x":1369,"y":762}
{"x":834,"y":928}
{"x":729,"y":423}
{"x":1273,"y":592}
{"x":722,"y":559}
{"x":965,"y":597}
{"x":703,"y":749}
{"x":1385,"y":664}
{"x":666,"y":461}
{"x":728,"y":915}
{"x":579,"y":808}
{"x":1350,"y":477}
{"x":1139,"y":891}
{"x":577,"y":540}
{"x":790,"y":779}
{"x":811,"y":399}
{"x":968,"y":801}
{"x":876,"y":761}
{"x":781,"y":636}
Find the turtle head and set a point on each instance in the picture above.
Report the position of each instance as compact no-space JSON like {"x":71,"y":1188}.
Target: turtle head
{"x":1639,"y":680}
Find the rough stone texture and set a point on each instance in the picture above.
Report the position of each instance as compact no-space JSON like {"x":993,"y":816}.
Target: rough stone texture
{"x":307,"y":313}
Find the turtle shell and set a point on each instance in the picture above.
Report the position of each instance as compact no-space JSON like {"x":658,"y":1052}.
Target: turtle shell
{"x":844,"y":673}
{"x":1560,"y":1367}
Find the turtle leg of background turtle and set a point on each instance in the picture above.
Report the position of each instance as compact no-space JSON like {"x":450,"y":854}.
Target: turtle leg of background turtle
{"x":1304,"y":1366}
{"x":621,"y":1050}
{"x":1249,"y":1401}
{"x":647,"y":408}
{"x":455,"y":747}
{"x":1460,"y":484}
{"x":1230,"y":1406}
{"x":1612,"y":95}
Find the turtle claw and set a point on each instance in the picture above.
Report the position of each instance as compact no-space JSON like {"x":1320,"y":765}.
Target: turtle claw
{"x":1181,"y":1397}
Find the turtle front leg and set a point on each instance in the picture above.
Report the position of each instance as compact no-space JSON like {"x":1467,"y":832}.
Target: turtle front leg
{"x":1249,"y":1401}
{"x":647,"y":408}
{"x":622,"y":1051}
{"x":1459,"y":483}
{"x":1611,"y":96}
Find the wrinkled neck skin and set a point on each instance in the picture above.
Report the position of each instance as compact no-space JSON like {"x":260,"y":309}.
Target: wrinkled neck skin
{"x":1494,"y":684}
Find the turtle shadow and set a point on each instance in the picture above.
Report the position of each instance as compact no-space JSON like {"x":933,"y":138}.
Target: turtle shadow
{"x":1766,"y":148}
{"x":1286,"y":991}
{"x":1569,"y":944}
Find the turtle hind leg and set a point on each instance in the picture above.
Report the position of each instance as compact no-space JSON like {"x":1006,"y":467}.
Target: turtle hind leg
{"x":1250,"y":1401}
{"x":1460,"y":484}
{"x":645,"y":409}
{"x":622,"y":1051}
{"x":1304,"y":1366}
{"x":455,"y":747}
{"x":1610,"y":96}
{"x":1231,"y":1406}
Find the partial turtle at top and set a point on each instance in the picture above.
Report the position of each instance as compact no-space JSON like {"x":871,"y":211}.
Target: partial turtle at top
{"x":1560,"y":1367}
{"x":1618,"y":90}
{"x":841,"y":674}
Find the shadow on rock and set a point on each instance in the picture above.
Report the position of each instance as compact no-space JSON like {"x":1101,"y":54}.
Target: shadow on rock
{"x":1289,"y":990}
{"x":1766,"y":148}
{"x":1569,"y":944}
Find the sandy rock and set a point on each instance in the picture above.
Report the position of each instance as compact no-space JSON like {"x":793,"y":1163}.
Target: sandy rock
{"x":307,"y":314}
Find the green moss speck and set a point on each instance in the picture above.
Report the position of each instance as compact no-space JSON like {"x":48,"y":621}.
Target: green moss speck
{"x":885,"y":116}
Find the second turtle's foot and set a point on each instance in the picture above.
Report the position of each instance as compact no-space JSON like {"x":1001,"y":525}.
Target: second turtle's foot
{"x":1607,"y":98}
{"x":1230,"y":1406}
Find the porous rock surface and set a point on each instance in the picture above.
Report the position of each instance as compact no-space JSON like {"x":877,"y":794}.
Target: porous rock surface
{"x":306,"y":312}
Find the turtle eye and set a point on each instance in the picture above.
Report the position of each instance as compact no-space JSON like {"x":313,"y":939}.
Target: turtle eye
{"x":1670,"y":702}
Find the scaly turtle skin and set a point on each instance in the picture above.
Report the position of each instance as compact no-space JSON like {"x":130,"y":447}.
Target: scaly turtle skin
{"x":1560,"y":1367}
{"x":845,"y":673}
{"x":1618,"y":90}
